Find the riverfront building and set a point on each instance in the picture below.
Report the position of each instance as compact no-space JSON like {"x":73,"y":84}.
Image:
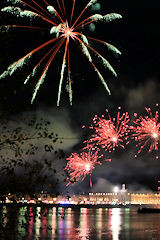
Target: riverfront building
{"x":118,"y":197}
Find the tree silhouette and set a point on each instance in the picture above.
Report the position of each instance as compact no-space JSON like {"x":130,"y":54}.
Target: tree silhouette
{"x":27,"y":155}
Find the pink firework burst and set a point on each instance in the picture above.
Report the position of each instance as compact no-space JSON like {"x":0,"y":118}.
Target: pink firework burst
{"x":63,"y":27}
{"x":110,"y":133}
{"x":147,"y":131}
{"x":81,"y":165}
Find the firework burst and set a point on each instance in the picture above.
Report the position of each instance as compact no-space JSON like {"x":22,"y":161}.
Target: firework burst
{"x":147,"y":131}
{"x":62,"y":29}
{"x":110,"y":133}
{"x":81,"y":165}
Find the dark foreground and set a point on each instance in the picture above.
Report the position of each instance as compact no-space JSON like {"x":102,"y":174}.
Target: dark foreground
{"x":32,"y":222}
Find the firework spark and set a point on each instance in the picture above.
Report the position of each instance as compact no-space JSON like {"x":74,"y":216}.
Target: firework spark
{"x":64,"y":29}
{"x":81,"y":165}
{"x":110,"y":133}
{"x":147,"y":131}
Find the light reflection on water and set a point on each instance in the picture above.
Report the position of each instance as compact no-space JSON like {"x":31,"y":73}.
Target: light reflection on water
{"x":115,"y":223}
{"x":83,"y":227}
{"x":38,"y":221}
{"x":54,"y":222}
{"x":127,"y":223}
{"x":81,"y":224}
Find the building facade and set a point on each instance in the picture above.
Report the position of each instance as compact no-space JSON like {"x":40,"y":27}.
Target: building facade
{"x":148,"y":198}
{"x":121,"y":197}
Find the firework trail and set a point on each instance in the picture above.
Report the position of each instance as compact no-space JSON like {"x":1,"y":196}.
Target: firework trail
{"x":81,"y":165}
{"x":146,"y":131}
{"x":110,"y":133}
{"x":62,"y":29}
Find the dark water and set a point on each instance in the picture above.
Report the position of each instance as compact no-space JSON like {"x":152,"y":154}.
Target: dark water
{"x":65,"y":224}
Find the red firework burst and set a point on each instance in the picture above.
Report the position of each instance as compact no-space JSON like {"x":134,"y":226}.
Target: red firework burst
{"x":63,"y":27}
{"x":110,"y":133}
{"x":81,"y":165}
{"x":147,"y":131}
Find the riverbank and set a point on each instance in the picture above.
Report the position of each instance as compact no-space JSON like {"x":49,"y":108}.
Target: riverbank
{"x":70,"y":205}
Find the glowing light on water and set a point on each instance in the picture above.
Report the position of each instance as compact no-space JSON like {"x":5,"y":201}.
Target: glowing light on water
{"x":54,"y":222}
{"x":83,"y":229}
{"x":31,"y":222}
{"x":38,"y":222}
{"x":22,"y":221}
{"x":116,"y":223}
{"x":99,"y":222}
{"x":44,"y":222}
{"x":127,"y":223}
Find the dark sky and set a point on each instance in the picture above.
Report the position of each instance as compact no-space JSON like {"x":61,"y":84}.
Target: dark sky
{"x":137,"y":85}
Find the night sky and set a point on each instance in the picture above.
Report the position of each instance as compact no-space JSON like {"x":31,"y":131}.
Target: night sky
{"x":137,"y":86}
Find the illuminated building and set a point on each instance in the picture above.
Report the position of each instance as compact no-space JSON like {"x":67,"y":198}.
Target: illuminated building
{"x":142,"y":198}
{"x":118,"y":197}
{"x":124,"y":199}
{"x":158,"y":187}
{"x":109,"y":198}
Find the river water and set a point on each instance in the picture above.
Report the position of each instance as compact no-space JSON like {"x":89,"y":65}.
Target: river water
{"x":80,"y":224}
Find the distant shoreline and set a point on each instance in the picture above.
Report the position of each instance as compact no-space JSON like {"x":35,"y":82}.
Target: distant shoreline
{"x":78,"y":206}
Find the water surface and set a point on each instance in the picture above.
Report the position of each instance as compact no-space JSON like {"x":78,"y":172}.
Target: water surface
{"x":80,"y":224}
